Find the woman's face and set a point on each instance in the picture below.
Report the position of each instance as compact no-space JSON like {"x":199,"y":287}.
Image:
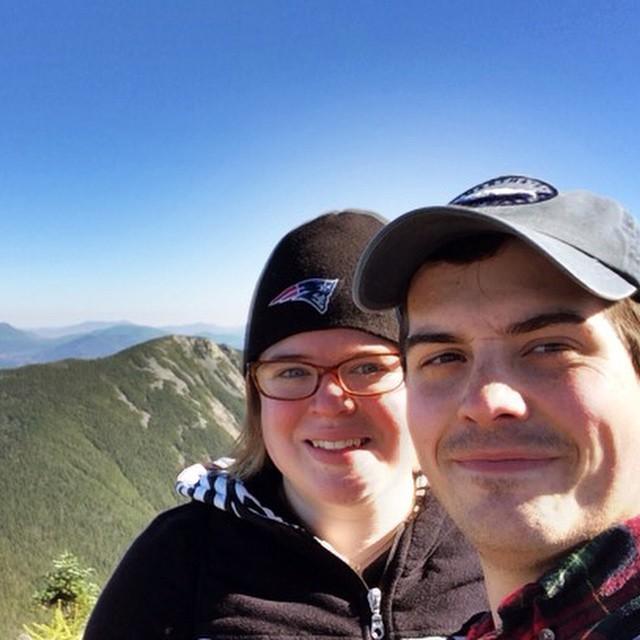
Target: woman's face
{"x":334,"y":447}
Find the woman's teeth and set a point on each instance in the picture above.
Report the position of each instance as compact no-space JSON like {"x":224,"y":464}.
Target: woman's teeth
{"x":338,"y":444}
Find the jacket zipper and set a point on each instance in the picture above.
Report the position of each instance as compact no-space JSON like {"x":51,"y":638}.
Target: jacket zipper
{"x":374,"y":596}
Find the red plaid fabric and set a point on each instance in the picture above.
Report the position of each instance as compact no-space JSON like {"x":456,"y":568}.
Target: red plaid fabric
{"x":594,"y":594}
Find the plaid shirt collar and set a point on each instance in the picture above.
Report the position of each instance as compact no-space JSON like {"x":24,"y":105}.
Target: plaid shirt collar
{"x":592,"y":582}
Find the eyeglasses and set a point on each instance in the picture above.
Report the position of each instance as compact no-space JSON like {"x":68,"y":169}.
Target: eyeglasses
{"x":365,"y":375}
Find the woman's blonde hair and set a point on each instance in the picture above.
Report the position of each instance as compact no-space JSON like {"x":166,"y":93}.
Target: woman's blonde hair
{"x":249,"y":453}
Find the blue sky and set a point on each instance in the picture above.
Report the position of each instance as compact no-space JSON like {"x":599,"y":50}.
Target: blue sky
{"x":152,"y":153}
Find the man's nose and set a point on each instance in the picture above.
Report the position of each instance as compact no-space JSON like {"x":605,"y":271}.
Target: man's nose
{"x":491,"y":394}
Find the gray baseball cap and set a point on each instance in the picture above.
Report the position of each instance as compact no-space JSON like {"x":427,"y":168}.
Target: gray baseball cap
{"x":593,"y":239}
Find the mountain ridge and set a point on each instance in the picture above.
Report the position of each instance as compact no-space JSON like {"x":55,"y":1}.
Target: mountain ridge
{"x":19,"y":347}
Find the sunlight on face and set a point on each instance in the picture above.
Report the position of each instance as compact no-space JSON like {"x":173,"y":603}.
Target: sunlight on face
{"x":522,"y":403}
{"x":333,"y":447}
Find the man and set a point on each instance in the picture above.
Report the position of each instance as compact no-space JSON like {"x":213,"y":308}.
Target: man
{"x":521,"y":337}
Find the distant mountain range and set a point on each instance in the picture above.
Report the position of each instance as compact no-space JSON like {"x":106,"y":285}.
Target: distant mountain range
{"x":94,"y":340}
{"x":89,"y":450}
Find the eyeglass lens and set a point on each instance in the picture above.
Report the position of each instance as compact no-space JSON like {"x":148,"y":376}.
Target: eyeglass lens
{"x":364,"y":375}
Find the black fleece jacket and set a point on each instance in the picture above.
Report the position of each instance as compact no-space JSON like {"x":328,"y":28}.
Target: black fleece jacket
{"x":235,"y":566}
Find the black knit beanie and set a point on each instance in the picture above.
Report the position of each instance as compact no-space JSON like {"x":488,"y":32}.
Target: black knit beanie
{"x":307,"y":281}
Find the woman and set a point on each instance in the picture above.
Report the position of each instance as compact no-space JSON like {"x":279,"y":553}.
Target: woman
{"x":320,"y":528}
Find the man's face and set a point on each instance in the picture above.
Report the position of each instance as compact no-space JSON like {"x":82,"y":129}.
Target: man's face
{"x":523,"y":404}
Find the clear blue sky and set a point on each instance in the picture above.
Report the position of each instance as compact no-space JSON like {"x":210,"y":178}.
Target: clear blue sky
{"x":152,"y":153}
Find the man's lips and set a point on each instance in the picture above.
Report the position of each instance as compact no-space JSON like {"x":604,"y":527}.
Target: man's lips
{"x":503,"y":461}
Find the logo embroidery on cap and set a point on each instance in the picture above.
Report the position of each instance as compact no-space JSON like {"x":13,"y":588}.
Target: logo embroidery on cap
{"x":314,"y":291}
{"x":505,"y":191}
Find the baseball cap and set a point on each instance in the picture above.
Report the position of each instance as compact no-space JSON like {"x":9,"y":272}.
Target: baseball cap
{"x":307,"y":282}
{"x":593,"y":239}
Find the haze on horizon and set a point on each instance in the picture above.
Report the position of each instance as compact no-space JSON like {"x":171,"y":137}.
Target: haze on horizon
{"x":153,"y":154}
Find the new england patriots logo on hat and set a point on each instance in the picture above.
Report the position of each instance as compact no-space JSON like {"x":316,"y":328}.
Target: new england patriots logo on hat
{"x":314,"y":291}
{"x":506,"y":191}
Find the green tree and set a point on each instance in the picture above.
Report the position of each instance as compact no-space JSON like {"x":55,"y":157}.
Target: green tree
{"x":69,"y":594}
{"x":67,"y":585}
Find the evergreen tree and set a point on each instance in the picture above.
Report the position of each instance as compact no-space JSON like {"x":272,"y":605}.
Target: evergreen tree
{"x":67,"y":585}
{"x":69,"y":594}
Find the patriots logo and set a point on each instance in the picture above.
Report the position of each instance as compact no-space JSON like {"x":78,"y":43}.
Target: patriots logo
{"x":506,"y":191}
{"x":314,"y":291}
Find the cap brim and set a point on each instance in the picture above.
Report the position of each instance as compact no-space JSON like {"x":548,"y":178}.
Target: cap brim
{"x":391,"y":259}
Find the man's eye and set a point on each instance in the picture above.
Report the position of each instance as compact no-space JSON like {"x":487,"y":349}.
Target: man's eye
{"x":550,"y":347}
{"x":444,"y":358}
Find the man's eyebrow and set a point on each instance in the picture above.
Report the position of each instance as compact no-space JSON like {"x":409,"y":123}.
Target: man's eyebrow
{"x":539,"y":321}
{"x":427,"y":338}
{"x":543,"y":320}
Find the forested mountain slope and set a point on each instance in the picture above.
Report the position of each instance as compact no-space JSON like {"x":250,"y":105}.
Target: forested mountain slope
{"x":89,"y":450}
